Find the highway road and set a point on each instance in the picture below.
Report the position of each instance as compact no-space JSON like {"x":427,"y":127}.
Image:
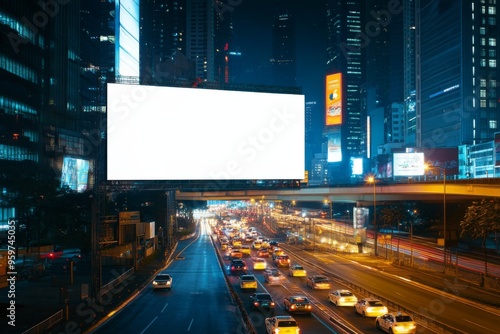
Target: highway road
{"x":444,"y":306}
{"x":200,"y":300}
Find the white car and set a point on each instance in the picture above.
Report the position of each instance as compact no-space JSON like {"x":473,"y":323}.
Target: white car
{"x":282,"y":324}
{"x":396,"y":323}
{"x":162,"y":281}
{"x":370,"y":307}
{"x":259,"y":263}
{"x":342,"y":298}
{"x":297,"y":271}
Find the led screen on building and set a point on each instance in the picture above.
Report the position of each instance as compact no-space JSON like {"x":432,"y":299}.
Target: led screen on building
{"x":408,"y":164}
{"x":169,"y":133}
{"x":334,"y":99}
{"x":334,"y":146}
{"x":127,"y":37}
{"x":75,"y":174}
{"x":356,"y":166}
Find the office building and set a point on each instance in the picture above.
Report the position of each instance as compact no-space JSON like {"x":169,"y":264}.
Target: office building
{"x":457,"y":72}
{"x":283,"y":51}
{"x":345,"y":58}
{"x":163,"y":38}
{"x":409,"y":72}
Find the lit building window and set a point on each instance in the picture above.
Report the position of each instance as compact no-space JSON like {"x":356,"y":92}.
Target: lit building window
{"x":492,"y":63}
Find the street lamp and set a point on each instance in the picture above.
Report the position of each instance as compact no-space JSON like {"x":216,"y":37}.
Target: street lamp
{"x":445,"y":259}
{"x":371,"y":179}
{"x":329,"y":203}
{"x":444,"y":219}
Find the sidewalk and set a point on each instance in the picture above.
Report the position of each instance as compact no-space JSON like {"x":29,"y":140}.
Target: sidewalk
{"x":37,"y":300}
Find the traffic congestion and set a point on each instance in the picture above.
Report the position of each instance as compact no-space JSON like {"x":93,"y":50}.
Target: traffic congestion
{"x":297,"y":291}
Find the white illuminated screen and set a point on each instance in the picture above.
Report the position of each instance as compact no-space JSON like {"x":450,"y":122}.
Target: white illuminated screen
{"x":127,"y":39}
{"x":408,"y":164}
{"x":167,"y":133}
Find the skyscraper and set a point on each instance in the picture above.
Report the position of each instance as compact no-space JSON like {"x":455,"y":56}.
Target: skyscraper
{"x":208,"y":31}
{"x":163,"y":36}
{"x":200,"y":30}
{"x":283,"y":51}
{"x":345,"y":56}
{"x":457,"y":70}
{"x":409,"y":72}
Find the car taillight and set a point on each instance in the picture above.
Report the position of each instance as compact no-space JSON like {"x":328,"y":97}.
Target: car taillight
{"x":272,"y":303}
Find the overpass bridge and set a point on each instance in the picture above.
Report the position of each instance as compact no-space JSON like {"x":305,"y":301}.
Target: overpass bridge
{"x":426,"y":191}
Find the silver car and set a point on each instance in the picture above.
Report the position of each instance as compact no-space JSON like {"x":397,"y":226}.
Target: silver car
{"x":162,"y":281}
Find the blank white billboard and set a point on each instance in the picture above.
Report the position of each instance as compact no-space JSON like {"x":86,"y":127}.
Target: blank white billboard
{"x":167,"y":133}
{"x":408,"y":164}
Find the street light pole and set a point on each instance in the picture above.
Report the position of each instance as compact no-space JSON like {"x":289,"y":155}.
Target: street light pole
{"x":411,"y":243}
{"x":371,"y":179}
{"x":445,"y":260}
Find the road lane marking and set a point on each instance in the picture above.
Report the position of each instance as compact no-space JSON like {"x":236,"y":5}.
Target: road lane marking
{"x":476,"y":324}
{"x":149,"y":324}
{"x":164,"y":307}
{"x":190,"y":324}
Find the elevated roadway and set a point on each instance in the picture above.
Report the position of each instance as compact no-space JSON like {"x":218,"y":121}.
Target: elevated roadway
{"x":454,"y":190}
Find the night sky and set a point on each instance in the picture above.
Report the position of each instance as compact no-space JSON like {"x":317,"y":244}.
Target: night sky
{"x":252,"y":23}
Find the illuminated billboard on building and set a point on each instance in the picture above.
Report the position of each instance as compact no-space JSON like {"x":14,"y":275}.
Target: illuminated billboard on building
{"x":497,"y":149}
{"x":172,"y":133}
{"x":356,"y":166}
{"x":333,"y":99}
{"x":127,"y":37}
{"x":334,"y":145}
{"x":75,"y":174}
{"x":408,"y":164}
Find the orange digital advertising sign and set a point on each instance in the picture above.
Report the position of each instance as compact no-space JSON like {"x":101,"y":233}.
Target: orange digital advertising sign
{"x":334,"y":99}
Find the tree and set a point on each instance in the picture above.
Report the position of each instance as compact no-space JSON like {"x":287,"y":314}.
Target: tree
{"x":481,"y":219}
{"x":391,"y":216}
